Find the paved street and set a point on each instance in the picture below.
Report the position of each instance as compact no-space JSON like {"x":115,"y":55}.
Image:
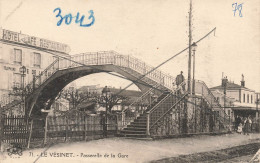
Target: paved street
{"x":131,"y":150}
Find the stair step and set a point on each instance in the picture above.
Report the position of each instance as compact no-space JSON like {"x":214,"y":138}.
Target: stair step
{"x":132,"y":132}
{"x":140,"y":120}
{"x":139,"y":123}
{"x":135,"y":135}
{"x":134,"y":128}
{"x":136,"y":138}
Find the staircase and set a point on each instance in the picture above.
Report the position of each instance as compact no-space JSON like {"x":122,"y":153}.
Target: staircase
{"x":138,"y":128}
{"x":204,"y":91}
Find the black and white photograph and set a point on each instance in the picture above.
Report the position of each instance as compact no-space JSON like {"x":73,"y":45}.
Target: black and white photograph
{"x":129,"y":81}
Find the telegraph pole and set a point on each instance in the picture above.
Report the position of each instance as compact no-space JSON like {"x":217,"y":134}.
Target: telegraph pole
{"x":190,"y":40}
{"x":185,"y":110}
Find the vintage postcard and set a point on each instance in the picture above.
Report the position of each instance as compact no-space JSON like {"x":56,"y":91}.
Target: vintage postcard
{"x":113,"y":81}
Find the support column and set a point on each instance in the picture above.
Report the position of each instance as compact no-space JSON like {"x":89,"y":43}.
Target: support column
{"x":148,"y":124}
{"x":45,"y":131}
{"x":185,"y":118}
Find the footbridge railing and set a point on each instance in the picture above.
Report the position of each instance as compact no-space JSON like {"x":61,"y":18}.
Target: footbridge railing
{"x":111,"y":57}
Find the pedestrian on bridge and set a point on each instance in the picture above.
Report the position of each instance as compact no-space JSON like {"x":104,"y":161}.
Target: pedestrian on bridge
{"x":179,"y":80}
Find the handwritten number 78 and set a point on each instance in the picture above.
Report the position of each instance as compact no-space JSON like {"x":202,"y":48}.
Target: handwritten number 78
{"x":237,"y":8}
{"x":68,"y":18}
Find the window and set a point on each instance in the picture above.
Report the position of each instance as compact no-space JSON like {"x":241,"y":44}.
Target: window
{"x":37,"y":60}
{"x":17,"y":80}
{"x":17,"y":56}
{"x":247,"y":98}
{"x":251,"y":99}
{"x":218,"y":99}
{"x":228,"y":112}
{"x":244,"y":98}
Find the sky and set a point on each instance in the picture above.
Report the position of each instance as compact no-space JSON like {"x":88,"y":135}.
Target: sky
{"x":153,"y":31}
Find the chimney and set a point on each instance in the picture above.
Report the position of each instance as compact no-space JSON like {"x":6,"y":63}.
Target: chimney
{"x":224,"y":82}
{"x":242,"y":81}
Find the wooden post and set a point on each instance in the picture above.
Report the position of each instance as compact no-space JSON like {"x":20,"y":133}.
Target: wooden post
{"x":148,"y":124}
{"x":195,"y":115}
{"x":45,"y":131}
{"x":116,"y":124}
{"x":30,"y":135}
{"x":123,"y":119}
{"x":85,"y":131}
{"x":66,"y":136}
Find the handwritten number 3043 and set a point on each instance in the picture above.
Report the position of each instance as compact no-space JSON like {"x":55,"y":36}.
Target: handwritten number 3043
{"x":68,"y":18}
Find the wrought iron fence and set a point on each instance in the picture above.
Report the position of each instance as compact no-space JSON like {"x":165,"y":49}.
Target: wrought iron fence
{"x":34,"y":133}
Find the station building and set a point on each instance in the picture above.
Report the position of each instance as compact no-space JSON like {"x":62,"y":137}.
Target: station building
{"x":18,"y":50}
{"x":243,"y":101}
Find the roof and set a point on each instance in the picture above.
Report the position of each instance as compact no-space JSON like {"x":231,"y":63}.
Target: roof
{"x":243,"y":108}
{"x":127,"y":92}
{"x":229,"y":86}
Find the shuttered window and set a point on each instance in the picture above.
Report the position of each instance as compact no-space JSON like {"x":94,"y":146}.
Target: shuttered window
{"x":37,"y":60}
{"x":17,"y":56}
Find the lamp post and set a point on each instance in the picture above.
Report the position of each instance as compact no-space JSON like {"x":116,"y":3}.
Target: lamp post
{"x":23,"y":71}
{"x":224,"y":84}
{"x":193,"y":48}
{"x":105,"y":93}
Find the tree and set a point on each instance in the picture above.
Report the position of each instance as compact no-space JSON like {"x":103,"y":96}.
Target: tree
{"x":111,"y":100}
{"x":76,"y":100}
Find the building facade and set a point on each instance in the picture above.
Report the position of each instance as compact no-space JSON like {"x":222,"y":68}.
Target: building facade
{"x":244,"y":101}
{"x":32,"y":53}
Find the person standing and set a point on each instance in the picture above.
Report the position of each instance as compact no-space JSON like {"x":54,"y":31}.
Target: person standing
{"x":250,"y":123}
{"x":237,"y":122}
{"x":179,"y":79}
{"x":246,"y":126}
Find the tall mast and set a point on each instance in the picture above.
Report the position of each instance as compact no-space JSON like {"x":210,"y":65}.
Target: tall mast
{"x":190,"y":40}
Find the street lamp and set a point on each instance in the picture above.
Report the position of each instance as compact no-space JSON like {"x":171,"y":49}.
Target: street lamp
{"x":193,"y":48}
{"x":23,"y":71}
{"x":106,"y":93}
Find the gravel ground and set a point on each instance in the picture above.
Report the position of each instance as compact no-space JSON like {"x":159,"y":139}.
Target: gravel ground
{"x":118,"y":150}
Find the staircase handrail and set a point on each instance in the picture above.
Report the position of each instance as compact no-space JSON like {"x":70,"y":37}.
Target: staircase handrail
{"x":142,"y":96}
{"x":152,"y":110}
{"x":30,"y":85}
{"x":219,"y":116}
{"x":168,"y":110}
{"x":212,"y":96}
{"x":171,"y":92}
{"x":200,"y":81}
{"x":140,"y":66}
{"x":223,"y":119}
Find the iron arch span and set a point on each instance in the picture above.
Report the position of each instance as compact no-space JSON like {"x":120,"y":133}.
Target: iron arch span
{"x":47,"y":91}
